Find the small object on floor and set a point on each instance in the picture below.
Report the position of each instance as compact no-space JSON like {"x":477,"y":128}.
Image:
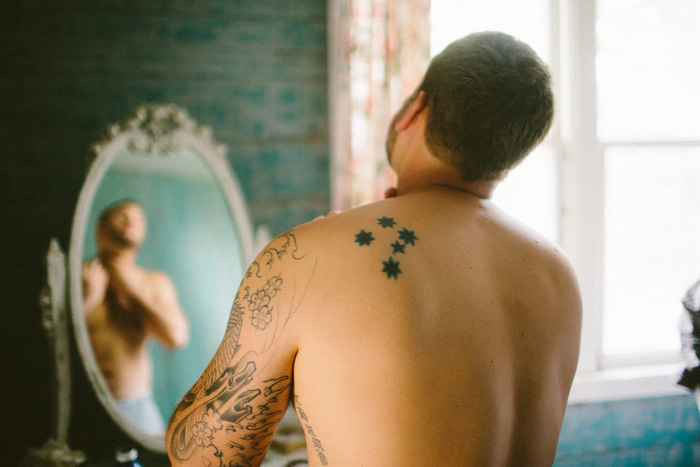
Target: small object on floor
{"x":127,"y":457}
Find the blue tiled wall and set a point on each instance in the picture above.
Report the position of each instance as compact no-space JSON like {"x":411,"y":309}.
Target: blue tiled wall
{"x":646,"y":432}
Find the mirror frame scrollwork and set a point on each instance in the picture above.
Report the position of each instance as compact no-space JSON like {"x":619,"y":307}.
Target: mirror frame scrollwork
{"x":154,"y":131}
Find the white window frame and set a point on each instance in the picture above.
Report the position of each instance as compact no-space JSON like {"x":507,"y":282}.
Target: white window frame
{"x":581,"y":216}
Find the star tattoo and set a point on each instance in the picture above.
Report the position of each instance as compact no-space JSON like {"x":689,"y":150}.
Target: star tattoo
{"x":408,"y":236}
{"x":386,"y":222}
{"x":391,"y":268}
{"x":364,"y":238}
{"x":398,"y":247}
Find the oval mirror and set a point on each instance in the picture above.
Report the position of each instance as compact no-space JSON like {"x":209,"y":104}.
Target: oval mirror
{"x":161,"y":237}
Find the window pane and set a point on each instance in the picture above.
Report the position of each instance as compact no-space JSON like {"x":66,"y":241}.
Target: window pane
{"x":652,"y":245}
{"x":528,"y":21}
{"x":529,"y":192}
{"x":648,"y":70}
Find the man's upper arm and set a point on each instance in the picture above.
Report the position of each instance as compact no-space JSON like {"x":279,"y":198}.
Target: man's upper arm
{"x":231,"y":413}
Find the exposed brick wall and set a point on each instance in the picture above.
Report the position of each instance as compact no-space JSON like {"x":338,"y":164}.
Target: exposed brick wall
{"x":254,"y":71}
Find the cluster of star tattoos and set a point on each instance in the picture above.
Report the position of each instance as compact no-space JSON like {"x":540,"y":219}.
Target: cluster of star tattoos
{"x":406,"y":237}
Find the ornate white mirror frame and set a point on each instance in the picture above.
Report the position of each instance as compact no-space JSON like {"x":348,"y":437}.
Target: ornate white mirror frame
{"x":154,"y":131}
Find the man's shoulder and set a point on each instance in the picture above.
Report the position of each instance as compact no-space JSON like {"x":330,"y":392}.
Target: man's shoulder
{"x":542,"y":258}
{"x":369,"y":217}
{"x":156,"y":280}
{"x":530,"y":241}
{"x":330,"y":243}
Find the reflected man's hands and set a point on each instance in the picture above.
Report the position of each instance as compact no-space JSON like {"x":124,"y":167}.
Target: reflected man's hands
{"x":124,"y":279}
{"x":95,"y":282}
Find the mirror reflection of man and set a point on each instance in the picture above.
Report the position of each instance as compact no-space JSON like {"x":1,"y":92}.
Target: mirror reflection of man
{"x":125,"y":305}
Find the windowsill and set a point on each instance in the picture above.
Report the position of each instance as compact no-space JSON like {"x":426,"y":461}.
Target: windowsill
{"x":625,"y":383}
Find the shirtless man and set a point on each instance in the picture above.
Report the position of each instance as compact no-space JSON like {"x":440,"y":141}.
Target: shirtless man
{"x":124,"y":306}
{"x":427,"y":329}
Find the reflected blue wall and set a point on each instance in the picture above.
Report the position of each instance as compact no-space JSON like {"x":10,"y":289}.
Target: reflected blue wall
{"x":191,"y":238}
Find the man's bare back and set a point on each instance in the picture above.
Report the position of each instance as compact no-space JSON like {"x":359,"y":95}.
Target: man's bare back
{"x":464,"y":356}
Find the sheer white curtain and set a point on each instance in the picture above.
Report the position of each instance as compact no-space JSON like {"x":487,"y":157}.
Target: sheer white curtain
{"x":378,"y":52}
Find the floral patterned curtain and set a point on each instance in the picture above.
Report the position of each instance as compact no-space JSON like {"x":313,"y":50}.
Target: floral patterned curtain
{"x":378,"y":52}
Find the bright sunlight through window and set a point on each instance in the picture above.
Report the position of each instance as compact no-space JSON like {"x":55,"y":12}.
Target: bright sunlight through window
{"x":643,"y":95}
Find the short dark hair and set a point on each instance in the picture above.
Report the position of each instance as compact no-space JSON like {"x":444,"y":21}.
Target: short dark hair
{"x":114,"y":206}
{"x":490,"y":103}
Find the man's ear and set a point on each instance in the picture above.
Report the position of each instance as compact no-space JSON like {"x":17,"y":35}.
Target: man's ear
{"x":412,"y":112}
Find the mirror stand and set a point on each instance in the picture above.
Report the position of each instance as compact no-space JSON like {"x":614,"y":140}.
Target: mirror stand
{"x":52,"y":301}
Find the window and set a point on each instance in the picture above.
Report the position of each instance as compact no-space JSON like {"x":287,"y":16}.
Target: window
{"x":648,"y":67}
{"x":617,"y":182}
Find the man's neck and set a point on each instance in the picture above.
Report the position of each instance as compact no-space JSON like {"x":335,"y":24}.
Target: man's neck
{"x":121,"y":258}
{"x":426,"y":178}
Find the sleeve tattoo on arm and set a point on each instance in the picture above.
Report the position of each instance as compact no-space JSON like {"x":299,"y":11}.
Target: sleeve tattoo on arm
{"x":227,"y":398}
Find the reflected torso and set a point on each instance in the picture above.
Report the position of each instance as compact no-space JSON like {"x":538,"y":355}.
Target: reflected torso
{"x":119,"y":341}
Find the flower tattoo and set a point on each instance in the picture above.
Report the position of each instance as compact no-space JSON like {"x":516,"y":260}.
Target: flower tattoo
{"x":259,"y":300}
{"x":261,"y":318}
{"x":211,"y":419}
{"x":259,"y":303}
{"x":203,"y":435}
